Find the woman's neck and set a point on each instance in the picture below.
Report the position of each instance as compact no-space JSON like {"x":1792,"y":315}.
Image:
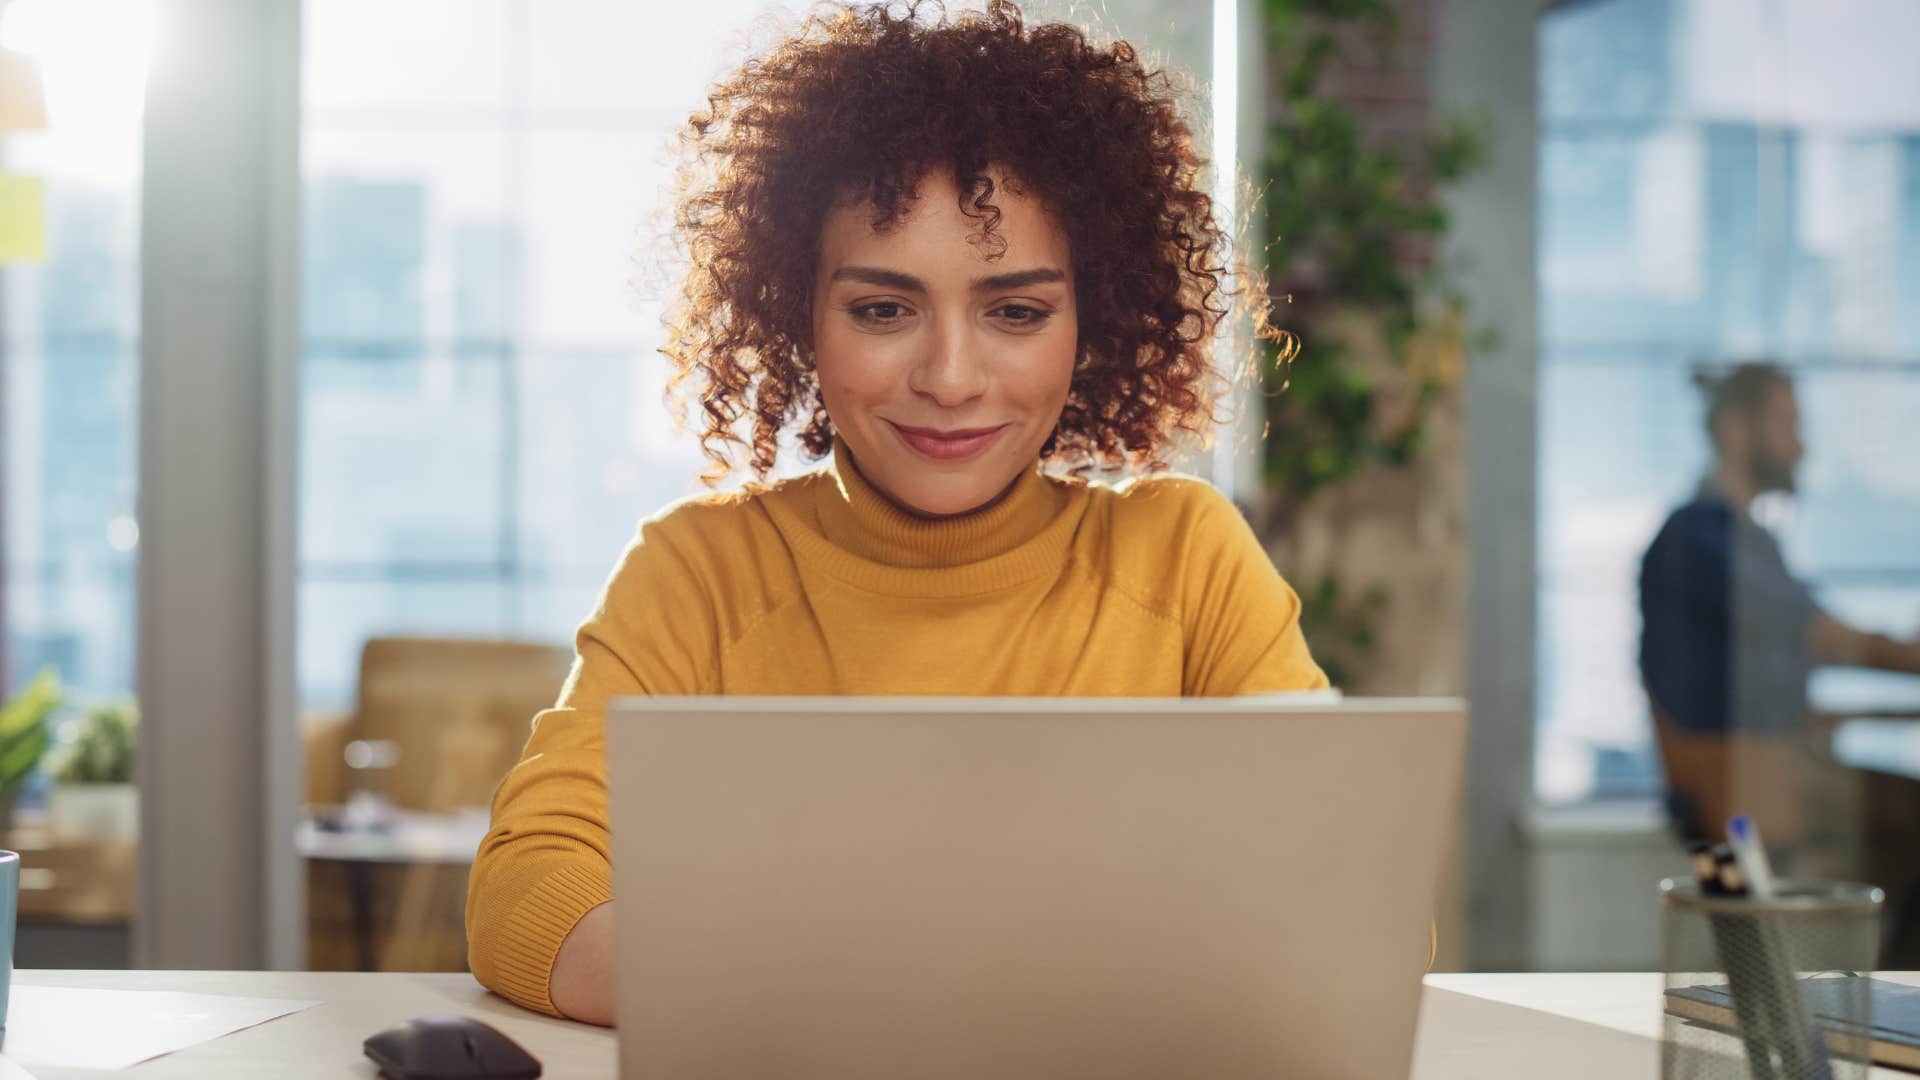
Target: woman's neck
{"x":914,"y":511}
{"x":863,"y":520}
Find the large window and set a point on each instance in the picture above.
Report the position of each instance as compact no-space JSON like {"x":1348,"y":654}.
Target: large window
{"x":479,"y":398}
{"x":481,"y":413}
{"x":69,"y":349}
{"x":1720,"y":182}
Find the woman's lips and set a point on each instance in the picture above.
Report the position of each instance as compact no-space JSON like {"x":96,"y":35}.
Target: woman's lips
{"x":948,"y":445}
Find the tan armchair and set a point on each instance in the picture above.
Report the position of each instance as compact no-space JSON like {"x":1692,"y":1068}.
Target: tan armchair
{"x":457,"y":714}
{"x":456,"y":710}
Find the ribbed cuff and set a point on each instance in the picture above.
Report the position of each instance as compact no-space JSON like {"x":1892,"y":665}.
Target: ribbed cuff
{"x":524,"y":948}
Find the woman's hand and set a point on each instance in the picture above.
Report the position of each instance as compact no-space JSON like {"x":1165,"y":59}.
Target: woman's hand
{"x":582,"y":981}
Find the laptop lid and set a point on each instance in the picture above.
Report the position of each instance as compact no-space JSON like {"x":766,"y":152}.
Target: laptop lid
{"x":875,"y":887}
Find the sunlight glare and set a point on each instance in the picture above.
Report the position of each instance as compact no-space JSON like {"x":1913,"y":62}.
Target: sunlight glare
{"x":93,"y":54}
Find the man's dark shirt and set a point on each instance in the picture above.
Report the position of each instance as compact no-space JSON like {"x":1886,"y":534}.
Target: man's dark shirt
{"x":1723,"y":645}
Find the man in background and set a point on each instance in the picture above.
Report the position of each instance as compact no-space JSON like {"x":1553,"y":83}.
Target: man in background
{"x":1730,"y":634}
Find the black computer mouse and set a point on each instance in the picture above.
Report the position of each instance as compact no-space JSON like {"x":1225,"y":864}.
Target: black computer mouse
{"x":449,"y":1048}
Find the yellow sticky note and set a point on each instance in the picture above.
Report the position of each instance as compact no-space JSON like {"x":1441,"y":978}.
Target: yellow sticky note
{"x":23,"y":217}
{"x":23,"y":96}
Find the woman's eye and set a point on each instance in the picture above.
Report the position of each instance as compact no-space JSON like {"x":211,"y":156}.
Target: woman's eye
{"x":1023,"y":314}
{"x":883,"y":311}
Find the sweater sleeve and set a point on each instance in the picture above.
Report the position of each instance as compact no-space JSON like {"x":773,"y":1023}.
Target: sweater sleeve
{"x":1242,"y":620}
{"x":545,"y":861}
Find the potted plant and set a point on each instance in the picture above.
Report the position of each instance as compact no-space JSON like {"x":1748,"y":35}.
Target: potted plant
{"x":23,"y":739}
{"x":93,"y":794}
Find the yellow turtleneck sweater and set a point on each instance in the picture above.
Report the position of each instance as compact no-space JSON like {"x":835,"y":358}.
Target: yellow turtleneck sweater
{"x":819,"y":585}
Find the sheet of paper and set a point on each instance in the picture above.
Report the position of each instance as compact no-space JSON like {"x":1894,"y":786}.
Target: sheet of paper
{"x":23,"y":217}
{"x":71,"y":1028}
{"x":23,"y":101}
{"x":13,"y":1070}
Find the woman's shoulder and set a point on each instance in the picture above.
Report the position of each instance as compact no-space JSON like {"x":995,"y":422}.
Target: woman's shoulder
{"x":739,"y":513}
{"x":714,"y":535}
{"x":1165,"y":505}
{"x":1154,"y":532}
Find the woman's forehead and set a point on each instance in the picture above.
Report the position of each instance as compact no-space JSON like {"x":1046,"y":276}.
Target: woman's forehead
{"x":932,"y":226}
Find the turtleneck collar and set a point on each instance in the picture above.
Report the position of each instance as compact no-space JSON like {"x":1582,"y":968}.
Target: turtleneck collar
{"x":857,"y":518}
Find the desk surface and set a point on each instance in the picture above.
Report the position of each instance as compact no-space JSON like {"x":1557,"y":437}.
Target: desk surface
{"x":1483,"y":1026}
{"x":408,"y":838}
{"x":1880,"y":744}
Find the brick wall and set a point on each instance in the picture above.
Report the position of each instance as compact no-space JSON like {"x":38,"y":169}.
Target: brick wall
{"x":1387,"y":82}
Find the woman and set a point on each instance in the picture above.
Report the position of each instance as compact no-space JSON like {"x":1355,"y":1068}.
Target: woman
{"x":950,"y":253}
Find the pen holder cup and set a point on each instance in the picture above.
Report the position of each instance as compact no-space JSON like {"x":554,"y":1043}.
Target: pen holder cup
{"x":1768,"y":989}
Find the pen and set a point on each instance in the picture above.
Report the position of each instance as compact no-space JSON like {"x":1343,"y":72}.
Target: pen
{"x":1797,"y":1041}
{"x":1743,"y":836}
{"x":1737,"y":938}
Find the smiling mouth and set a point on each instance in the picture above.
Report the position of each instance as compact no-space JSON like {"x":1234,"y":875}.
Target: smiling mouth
{"x":953,"y":445}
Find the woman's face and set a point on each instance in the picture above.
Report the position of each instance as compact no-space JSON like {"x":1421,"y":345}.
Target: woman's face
{"x":943,"y":370}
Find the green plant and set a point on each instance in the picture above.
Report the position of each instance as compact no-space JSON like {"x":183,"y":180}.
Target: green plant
{"x":1339,"y":626}
{"x":23,"y":730}
{"x":1379,"y":324}
{"x":103,"y":752}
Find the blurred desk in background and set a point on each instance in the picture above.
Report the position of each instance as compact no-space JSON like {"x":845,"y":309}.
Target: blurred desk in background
{"x":406,"y":837}
{"x":73,"y":879}
{"x":1884,"y":748}
{"x":1880,"y":742}
{"x":76,"y":898}
{"x":390,"y":897}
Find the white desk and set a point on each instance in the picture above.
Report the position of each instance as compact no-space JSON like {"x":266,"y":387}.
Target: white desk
{"x":1881,"y":744}
{"x":324,"y":1041}
{"x":408,"y":838}
{"x":1486,"y":1027}
{"x":1569,"y":1027}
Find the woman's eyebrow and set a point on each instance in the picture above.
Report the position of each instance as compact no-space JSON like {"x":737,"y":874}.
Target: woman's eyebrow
{"x":1018,"y":279}
{"x":895,"y":279}
{"x":874,"y":275}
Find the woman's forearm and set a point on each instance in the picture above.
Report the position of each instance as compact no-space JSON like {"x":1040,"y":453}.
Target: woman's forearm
{"x":582,"y":982}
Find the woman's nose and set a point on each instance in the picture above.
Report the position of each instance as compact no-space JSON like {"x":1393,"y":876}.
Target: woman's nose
{"x":950,"y":370}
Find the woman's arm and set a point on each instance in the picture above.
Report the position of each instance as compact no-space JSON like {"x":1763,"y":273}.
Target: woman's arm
{"x":545,"y":863}
{"x":543,"y":877}
{"x":582,"y":983}
{"x":1242,"y":619}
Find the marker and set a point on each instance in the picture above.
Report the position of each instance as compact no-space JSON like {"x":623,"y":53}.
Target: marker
{"x":1705,"y":871}
{"x":1726,"y":872}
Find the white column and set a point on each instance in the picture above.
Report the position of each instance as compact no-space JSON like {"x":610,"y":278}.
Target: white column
{"x":1484,"y":63}
{"x":218,"y":768}
{"x":1239,"y":101}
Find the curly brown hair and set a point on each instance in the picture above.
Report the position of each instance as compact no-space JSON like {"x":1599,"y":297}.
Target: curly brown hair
{"x":856,"y":105}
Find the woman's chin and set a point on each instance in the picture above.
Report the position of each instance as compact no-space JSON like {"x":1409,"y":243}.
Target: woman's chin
{"x":938,"y":489}
{"x":949,"y":496}
{"x":942,"y":501}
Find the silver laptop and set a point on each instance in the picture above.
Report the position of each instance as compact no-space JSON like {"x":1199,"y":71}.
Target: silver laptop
{"x":1026,"y":888}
